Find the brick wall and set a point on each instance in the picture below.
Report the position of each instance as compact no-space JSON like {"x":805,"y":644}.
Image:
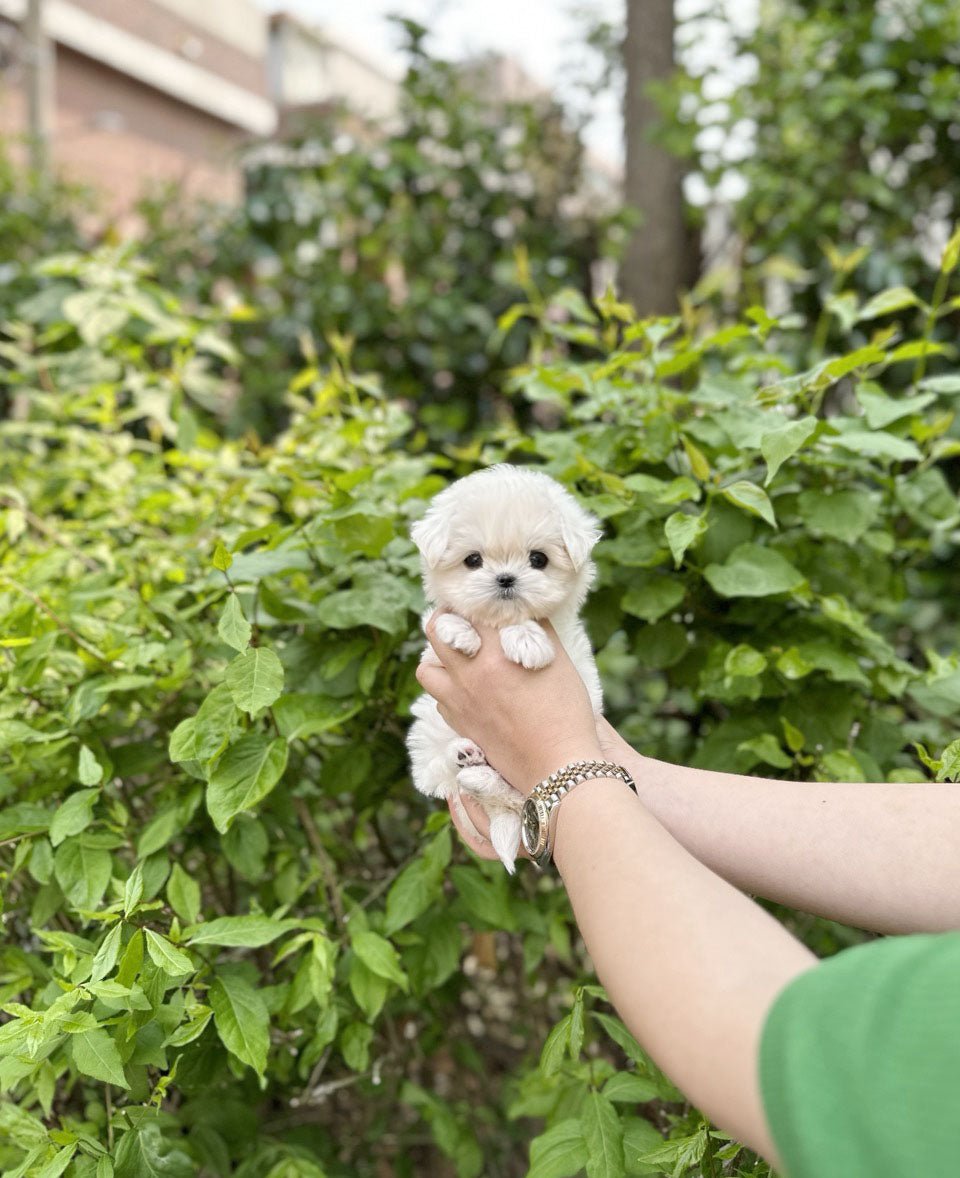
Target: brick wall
{"x":122,"y":137}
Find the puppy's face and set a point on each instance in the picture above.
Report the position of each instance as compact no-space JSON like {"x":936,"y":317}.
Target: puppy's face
{"x":505,"y":545}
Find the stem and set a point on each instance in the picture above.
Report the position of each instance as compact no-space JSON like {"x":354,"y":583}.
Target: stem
{"x":45,"y":530}
{"x":64,"y":626}
{"x":326,"y":867}
{"x":109,"y":1104}
{"x":938,"y":292}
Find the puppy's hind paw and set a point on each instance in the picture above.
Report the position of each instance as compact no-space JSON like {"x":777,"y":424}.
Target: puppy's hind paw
{"x":527,"y":644}
{"x":481,"y":781}
{"x":458,"y":633}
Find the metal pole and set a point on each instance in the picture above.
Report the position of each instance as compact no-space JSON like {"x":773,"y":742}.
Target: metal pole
{"x":38,"y":71}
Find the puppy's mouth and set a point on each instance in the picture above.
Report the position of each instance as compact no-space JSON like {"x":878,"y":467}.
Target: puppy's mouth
{"x":506,"y":594}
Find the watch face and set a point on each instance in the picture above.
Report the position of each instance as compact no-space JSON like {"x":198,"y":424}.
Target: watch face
{"x":530,"y":827}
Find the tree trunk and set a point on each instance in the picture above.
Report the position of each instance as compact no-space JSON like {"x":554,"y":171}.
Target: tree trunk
{"x":656,"y":264}
{"x":38,"y":75}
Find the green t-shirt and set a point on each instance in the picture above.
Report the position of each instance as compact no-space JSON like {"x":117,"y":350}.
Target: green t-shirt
{"x":860,"y":1063}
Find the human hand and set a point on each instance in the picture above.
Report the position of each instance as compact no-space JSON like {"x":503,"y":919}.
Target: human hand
{"x":473,"y":825}
{"x":528,"y":722}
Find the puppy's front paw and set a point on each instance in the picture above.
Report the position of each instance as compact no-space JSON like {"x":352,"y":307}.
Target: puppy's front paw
{"x":465,"y":752}
{"x":458,"y":633}
{"x":527,"y":644}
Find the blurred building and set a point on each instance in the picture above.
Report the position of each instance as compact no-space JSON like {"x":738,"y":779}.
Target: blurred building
{"x":311,"y":71}
{"x":145,"y":90}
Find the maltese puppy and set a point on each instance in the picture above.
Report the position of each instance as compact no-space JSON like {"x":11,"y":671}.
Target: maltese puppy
{"x":502,"y":547}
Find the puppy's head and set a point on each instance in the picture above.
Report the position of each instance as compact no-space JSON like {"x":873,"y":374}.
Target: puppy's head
{"x":506,"y":544}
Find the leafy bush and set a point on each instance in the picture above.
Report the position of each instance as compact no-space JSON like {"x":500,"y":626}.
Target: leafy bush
{"x":237,"y":941}
{"x":841,"y":135}
{"x":402,"y":238}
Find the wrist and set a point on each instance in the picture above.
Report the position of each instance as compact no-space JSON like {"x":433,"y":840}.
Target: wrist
{"x":542,"y":765}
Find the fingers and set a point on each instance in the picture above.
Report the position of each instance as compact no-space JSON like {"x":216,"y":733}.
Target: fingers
{"x":469,"y":823}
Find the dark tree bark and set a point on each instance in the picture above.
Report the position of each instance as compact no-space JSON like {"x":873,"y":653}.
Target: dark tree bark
{"x":657,"y":260}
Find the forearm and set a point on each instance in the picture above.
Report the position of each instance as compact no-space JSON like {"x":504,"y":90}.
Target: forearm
{"x":690,"y":963}
{"x":879,"y":856}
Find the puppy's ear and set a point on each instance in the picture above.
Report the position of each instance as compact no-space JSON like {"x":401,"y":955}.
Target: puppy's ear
{"x":579,"y":531}
{"x":432,"y":536}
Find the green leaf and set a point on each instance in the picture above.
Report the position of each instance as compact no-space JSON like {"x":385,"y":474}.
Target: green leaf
{"x":233,"y":627}
{"x":368,"y":988}
{"x":560,"y":1152}
{"x":255,"y":679}
{"x":947,"y":385}
{"x":58,"y":1163}
{"x":949,"y":768}
{"x":74,"y":815}
{"x":244,"y":775}
{"x":216,"y":720}
{"x":95,"y":1054}
{"x":629,"y":1088}
{"x":576,"y":1026}
{"x":767,"y":748}
{"x":752,"y":499}
{"x":89,"y":769}
{"x":894,"y":298}
{"x":183,"y":892}
{"x":167,"y":957}
{"x":487,"y":900}
{"x":951,"y":253}
{"x":639,"y":1139}
{"x":876,"y":444}
{"x":96,"y":315}
{"x":106,"y":956}
{"x":411,"y":893}
{"x":240,"y":931}
{"x":182,"y":745}
{"x":653,"y":598}
{"x":745,"y":661}
{"x":682,"y":531}
{"x":603,"y":1135}
{"x":222,"y":559}
{"x":379,"y":956}
{"x":241,"y":1018}
{"x":355,"y":1040}
{"x":881,"y":410}
{"x":555,"y":1047}
{"x":752,"y":571}
{"x":132,"y":960}
{"x":143,"y":1153}
{"x":621,"y":1036}
{"x":794,"y":738}
{"x":384,"y":605}
{"x":82,"y":872}
{"x":843,"y":515}
{"x":133,"y":890}
{"x":777,"y":445}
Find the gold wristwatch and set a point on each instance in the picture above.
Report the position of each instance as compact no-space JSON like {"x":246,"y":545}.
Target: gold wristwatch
{"x":537,"y":821}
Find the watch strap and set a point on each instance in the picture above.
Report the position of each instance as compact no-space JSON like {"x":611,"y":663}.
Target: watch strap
{"x":547,"y":794}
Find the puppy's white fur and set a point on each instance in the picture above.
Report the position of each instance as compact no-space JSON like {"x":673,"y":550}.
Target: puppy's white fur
{"x":504,"y":514}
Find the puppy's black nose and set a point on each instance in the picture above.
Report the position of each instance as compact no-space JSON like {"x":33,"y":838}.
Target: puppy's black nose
{"x":506,"y":580}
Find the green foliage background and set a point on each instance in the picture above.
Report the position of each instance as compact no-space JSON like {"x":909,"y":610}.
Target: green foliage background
{"x":237,"y":942}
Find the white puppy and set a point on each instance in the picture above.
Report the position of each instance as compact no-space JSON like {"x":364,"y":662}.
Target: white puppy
{"x":502,"y":547}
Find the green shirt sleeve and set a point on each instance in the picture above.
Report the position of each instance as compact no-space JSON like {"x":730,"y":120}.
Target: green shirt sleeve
{"x":860,"y":1063}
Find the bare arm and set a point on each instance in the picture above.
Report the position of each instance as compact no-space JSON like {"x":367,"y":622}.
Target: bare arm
{"x":691,"y":964}
{"x":882,"y":856}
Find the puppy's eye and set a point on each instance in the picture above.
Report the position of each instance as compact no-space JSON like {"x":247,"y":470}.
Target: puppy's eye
{"x":538,"y":560}
{"x":473,"y":561}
